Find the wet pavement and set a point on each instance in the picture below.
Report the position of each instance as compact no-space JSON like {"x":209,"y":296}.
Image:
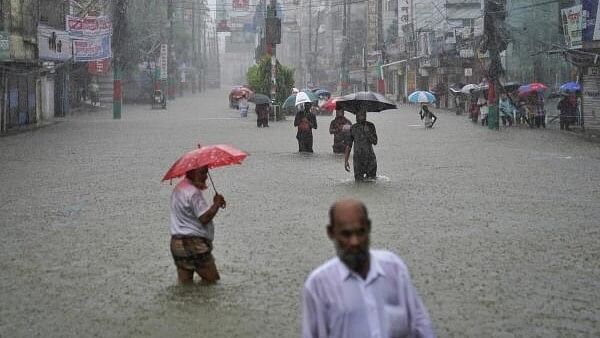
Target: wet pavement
{"x":499,"y":229}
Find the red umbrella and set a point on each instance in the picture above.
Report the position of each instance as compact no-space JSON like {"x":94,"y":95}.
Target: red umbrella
{"x":238,"y":92}
{"x":214,"y":156}
{"x":329,"y":105}
{"x":531,"y":88}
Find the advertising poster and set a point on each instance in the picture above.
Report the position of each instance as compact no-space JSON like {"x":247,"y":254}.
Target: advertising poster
{"x":92,"y":49}
{"x":53,"y":44}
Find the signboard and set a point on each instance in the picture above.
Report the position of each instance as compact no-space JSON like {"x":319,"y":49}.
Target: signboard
{"x":164,"y":61}
{"x":240,"y":5}
{"x":91,"y":49}
{"x":466,"y":53}
{"x":591,"y":27}
{"x":54,"y":44}
{"x":222,"y":16}
{"x":572,"y":21}
{"x":4,"y":45}
{"x":404,"y":14}
{"x":411,"y":81}
{"x":99,"y":67}
{"x":468,"y":72}
{"x":89,"y":25}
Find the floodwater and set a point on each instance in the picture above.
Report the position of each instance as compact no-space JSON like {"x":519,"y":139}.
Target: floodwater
{"x":499,"y":229}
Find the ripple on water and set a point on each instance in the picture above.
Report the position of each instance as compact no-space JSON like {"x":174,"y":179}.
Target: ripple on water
{"x":350,"y":181}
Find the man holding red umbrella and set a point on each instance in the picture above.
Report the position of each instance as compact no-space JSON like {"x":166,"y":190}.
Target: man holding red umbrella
{"x":192,"y":229}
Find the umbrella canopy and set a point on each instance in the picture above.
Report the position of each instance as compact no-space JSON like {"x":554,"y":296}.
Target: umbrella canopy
{"x":421,"y":96}
{"x":329,"y":105}
{"x":468,"y":88}
{"x":214,"y":156}
{"x":570,"y":87}
{"x":531,"y":88}
{"x":322,"y":92}
{"x":511,"y":86}
{"x":290,"y":102}
{"x":260,"y":99}
{"x":369,"y":101}
{"x":238,"y":92}
{"x":302,"y":97}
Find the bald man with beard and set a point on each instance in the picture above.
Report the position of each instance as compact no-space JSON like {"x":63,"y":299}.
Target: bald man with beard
{"x":361,"y":292}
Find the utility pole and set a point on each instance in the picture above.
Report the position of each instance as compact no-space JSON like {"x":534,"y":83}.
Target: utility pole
{"x":119,"y":37}
{"x":379,"y":25}
{"x":194,"y":47}
{"x":495,"y":41}
{"x":344,"y":69}
{"x":273,"y":14}
{"x":309,"y":64}
{"x":171,"y":63}
{"x":364,"y":58}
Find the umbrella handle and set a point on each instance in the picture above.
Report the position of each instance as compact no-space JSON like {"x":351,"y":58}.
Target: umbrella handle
{"x":213,"y":185}
{"x":211,"y":182}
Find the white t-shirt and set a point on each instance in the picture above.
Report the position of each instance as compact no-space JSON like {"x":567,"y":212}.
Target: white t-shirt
{"x":187,"y":205}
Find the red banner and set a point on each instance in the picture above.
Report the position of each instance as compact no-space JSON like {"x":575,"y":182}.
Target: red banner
{"x":99,"y":67}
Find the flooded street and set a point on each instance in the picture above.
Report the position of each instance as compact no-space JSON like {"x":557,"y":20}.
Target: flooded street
{"x":499,"y":229}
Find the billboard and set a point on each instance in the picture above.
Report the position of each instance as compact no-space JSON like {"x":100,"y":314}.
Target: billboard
{"x":92,"y":49}
{"x":572,"y":21}
{"x":53,"y":44}
{"x":89,"y":25}
{"x":164,"y":61}
{"x":4,"y":45}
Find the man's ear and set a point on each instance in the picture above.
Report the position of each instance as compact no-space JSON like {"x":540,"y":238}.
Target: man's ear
{"x":330,"y":231}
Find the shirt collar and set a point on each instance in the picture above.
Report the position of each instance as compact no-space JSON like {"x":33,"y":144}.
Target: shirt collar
{"x":375,"y":270}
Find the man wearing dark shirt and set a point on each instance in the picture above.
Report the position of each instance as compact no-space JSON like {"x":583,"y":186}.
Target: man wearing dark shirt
{"x":339,"y":128}
{"x":363,"y":137}
{"x":306,"y":121}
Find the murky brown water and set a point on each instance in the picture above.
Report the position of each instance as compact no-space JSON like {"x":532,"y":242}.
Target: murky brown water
{"x":499,"y":230}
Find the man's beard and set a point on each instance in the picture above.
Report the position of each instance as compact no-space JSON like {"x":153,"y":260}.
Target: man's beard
{"x":353,"y":260}
{"x":200,"y":185}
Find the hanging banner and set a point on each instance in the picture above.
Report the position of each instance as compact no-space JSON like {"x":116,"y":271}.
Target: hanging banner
{"x":89,"y":25}
{"x":573,"y":24}
{"x":164,"y":61}
{"x":4,"y":45}
{"x":222,"y":15}
{"x":91,"y":49}
{"x":100,"y":67}
{"x":240,"y":5}
{"x":53,"y":44}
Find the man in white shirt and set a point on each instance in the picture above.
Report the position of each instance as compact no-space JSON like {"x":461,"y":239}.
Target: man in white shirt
{"x":361,"y":293}
{"x":192,"y":229}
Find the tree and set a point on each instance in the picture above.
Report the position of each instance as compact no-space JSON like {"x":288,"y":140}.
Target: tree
{"x":259,"y":79}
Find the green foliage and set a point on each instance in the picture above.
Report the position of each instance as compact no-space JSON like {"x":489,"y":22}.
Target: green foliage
{"x":259,"y":79}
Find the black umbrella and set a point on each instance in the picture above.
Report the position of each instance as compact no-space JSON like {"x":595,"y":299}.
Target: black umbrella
{"x":364,"y":101}
{"x":511,"y":86}
{"x":260,"y":99}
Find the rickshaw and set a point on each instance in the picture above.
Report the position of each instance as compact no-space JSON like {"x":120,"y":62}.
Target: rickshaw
{"x":158,"y":100}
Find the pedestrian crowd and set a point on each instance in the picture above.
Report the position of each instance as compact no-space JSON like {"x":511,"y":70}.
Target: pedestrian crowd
{"x":520,"y":106}
{"x":361,"y":292}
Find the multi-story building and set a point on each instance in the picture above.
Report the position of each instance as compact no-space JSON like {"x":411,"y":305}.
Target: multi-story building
{"x":34,"y":77}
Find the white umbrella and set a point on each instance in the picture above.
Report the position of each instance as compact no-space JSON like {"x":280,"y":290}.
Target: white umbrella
{"x":302,"y":98}
{"x":468,"y":88}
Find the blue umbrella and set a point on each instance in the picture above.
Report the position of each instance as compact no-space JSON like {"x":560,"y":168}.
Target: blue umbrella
{"x":570,"y":87}
{"x":322,"y":92}
{"x":421,"y":96}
